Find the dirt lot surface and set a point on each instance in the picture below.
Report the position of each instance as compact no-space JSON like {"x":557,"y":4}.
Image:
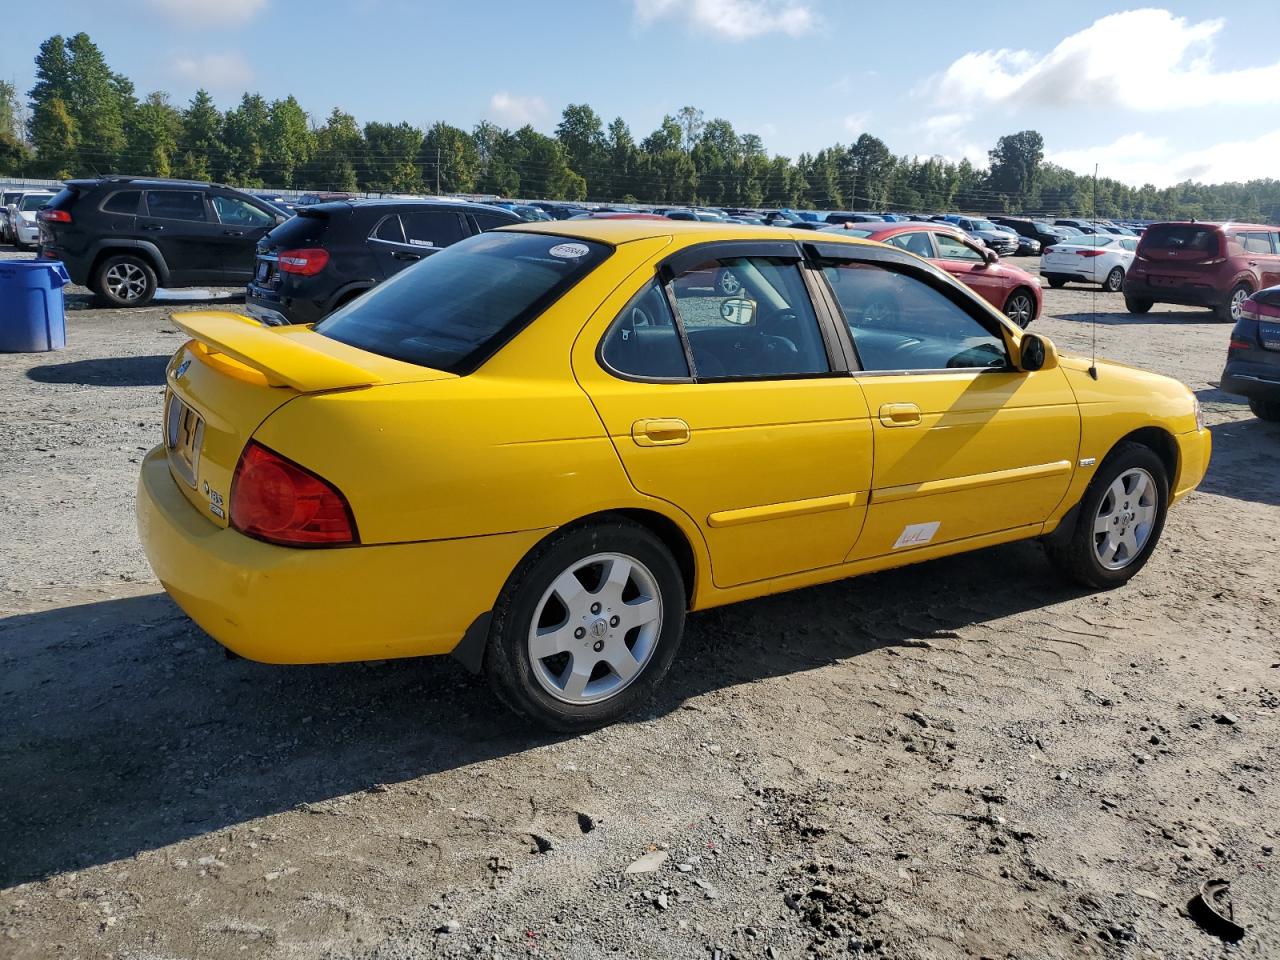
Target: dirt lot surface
{"x":961,"y":759}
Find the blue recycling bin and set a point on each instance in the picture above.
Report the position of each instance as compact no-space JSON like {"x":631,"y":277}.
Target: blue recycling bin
{"x":32,"y":311}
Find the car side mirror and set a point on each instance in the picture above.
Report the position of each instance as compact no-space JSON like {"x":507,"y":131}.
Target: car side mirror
{"x":990,"y":257}
{"x":1036,"y":353}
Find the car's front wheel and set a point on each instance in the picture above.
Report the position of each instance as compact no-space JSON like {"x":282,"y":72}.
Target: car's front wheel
{"x":1265,"y":409}
{"x":587,"y":626}
{"x":1020,"y":307}
{"x":125,"y":281}
{"x":1115,"y":280}
{"x":1119,"y":520}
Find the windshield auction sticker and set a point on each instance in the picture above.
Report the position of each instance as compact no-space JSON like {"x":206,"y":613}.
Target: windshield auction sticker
{"x":569,"y":251}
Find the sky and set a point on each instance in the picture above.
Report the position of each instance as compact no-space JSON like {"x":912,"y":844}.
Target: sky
{"x":1149,"y":94}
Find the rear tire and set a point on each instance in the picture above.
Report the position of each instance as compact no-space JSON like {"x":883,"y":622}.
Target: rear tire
{"x":569,"y":648}
{"x":1229,"y":310}
{"x":1265,"y":409}
{"x":1114,"y":512}
{"x":1138,"y":304}
{"x":1057,"y":282}
{"x":1115,"y":280}
{"x":124,"y":280}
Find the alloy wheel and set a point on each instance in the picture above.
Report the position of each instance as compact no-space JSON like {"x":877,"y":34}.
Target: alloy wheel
{"x":1019,"y":309}
{"x":595,"y":629}
{"x":1238,"y":296}
{"x":126,"y":281}
{"x":1125,"y":518}
{"x":1115,"y":280}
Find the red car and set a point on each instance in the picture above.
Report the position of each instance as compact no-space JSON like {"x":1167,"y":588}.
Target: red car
{"x":1014,"y":292}
{"x":1215,"y":265}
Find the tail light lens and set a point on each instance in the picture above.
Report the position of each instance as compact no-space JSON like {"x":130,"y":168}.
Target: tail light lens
{"x":54,"y":216}
{"x":275,"y":500}
{"x":1249,"y":310}
{"x":306,"y":261}
{"x":1089,"y":253}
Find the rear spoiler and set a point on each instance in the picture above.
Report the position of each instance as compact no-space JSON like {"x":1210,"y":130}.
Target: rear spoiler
{"x":283,"y":357}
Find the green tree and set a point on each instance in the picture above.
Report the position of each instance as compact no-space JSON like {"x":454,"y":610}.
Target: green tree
{"x":201,"y":153}
{"x":620,"y":149}
{"x":581,"y":135}
{"x":244,"y":132}
{"x":544,"y":169}
{"x":287,"y":144}
{"x":449,"y":160}
{"x":339,"y":145}
{"x":153,"y":132}
{"x":1015,"y":164}
{"x":14,"y":154}
{"x":53,"y":133}
{"x":390,"y":158}
{"x":500,"y":156}
{"x":98,"y":101}
{"x":691,"y":124}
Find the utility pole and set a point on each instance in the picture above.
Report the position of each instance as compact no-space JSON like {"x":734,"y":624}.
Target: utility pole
{"x":437,"y":171}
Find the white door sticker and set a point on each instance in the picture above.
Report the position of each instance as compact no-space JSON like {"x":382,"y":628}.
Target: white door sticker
{"x":917,"y":534}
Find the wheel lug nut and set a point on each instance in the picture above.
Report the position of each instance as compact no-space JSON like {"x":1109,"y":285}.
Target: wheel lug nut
{"x":598,"y":646}
{"x":614,"y":620}
{"x":595,"y":608}
{"x":579,"y":633}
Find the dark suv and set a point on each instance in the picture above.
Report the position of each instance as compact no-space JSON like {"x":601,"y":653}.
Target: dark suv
{"x":1046,"y":234}
{"x":125,"y":236}
{"x":330,"y":253}
{"x":1215,"y":265}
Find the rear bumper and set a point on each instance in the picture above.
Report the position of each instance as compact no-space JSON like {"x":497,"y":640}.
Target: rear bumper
{"x":1248,"y":378}
{"x":1187,"y":294}
{"x":273,"y":308}
{"x":1194,"y":450}
{"x":281,"y":605}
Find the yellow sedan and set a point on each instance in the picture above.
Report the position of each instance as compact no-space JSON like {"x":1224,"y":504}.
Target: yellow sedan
{"x":540,"y":448}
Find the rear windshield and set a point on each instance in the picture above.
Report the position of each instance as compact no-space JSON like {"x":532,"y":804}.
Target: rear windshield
{"x":305,"y":229}
{"x":455,"y":309}
{"x":34,"y":201}
{"x":1182,"y":237}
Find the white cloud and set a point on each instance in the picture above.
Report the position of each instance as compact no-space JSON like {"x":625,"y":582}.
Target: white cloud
{"x":856,"y":123}
{"x":1138,"y":158}
{"x":208,"y":13}
{"x":515,"y":110}
{"x":947,"y":135}
{"x":215,"y":71}
{"x":1144,"y":60}
{"x":732,"y":19}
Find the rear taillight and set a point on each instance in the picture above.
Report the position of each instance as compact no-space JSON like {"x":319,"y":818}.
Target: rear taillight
{"x":276,"y":500}
{"x":1240,"y":345}
{"x":1047,"y":250}
{"x":306,"y":262}
{"x":1089,"y":253}
{"x":54,"y":216}
{"x":1249,"y":310}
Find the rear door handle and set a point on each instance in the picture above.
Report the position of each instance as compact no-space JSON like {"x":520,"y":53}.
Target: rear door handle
{"x":660,"y":432}
{"x":406,"y":256}
{"x":233,"y":233}
{"x":899,"y":414}
{"x":153,"y":226}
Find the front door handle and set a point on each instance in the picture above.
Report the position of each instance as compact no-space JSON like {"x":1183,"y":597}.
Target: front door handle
{"x":233,"y":233}
{"x":660,"y":432}
{"x":899,"y":414}
{"x":152,"y":226}
{"x":407,"y":256}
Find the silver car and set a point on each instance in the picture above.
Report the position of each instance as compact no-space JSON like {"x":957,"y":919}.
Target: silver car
{"x":22,"y":217}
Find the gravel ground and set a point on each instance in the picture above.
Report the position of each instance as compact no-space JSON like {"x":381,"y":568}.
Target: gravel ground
{"x":961,"y":759}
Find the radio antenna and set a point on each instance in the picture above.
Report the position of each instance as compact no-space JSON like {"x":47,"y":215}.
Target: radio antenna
{"x":1093,"y":326}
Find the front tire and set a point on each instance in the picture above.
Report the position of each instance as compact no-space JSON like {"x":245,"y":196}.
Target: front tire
{"x":587,"y":626}
{"x":1229,"y":310}
{"x":1115,"y":280}
{"x":1265,"y":409}
{"x":1020,"y":307}
{"x":1119,"y":521}
{"x":1057,"y":282}
{"x":125,"y":281}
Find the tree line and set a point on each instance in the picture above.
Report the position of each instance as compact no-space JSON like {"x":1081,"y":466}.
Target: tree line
{"x":85,"y":119}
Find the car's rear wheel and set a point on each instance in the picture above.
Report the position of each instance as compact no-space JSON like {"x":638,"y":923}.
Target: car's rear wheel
{"x":1057,"y":282}
{"x":1115,"y":280}
{"x":1229,"y":310}
{"x":1138,"y":304}
{"x":1119,"y":520}
{"x":1020,"y":307}
{"x":125,"y":280}
{"x":1265,"y":409}
{"x":587,"y":626}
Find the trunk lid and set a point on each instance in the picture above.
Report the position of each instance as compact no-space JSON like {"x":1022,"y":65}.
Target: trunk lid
{"x":232,"y":375}
{"x":1182,"y":250}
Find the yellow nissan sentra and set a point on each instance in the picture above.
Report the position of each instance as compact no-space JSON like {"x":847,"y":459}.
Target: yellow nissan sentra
{"x":539,"y":448}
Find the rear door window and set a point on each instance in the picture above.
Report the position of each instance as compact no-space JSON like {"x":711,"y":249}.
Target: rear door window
{"x":389,"y":230}
{"x":491,"y":221}
{"x":643,"y":341}
{"x":456,"y":308}
{"x":123,"y":201}
{"x":952,"y":248}
{"x":432,"y":228}
{"x":241,"y":213}
{"x":176,"y":205}
{"x":916,"y":242}
{"x":1256,"y":242}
